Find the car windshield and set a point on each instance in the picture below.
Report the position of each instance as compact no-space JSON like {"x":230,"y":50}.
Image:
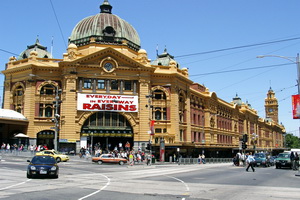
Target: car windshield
{"x":259,"y":155}
{"x":281,"y":155}
{"x":43,"y":160}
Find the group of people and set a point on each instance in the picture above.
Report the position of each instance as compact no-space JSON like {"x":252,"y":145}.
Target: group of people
{"x":7,"y":148}
{"x":246,"y":159}
{"x":201,"y":159}
{"x":133,"y":156}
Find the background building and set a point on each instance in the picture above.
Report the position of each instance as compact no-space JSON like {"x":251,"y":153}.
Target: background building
{"x":106,"y":90}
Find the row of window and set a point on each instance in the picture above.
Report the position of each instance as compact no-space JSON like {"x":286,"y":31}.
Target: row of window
{"x":107,"y":84}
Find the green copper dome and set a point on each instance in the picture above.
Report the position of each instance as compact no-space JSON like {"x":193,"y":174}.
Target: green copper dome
{"x":105,"y":28}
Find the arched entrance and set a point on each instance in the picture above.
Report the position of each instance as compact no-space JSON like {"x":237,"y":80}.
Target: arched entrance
{"x":45,"y":137}
{"x":106,"y":130}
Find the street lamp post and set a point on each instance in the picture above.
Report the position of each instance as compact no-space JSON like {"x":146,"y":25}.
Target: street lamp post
{"x":254,"y":138}
{"x":56,"y":117}
{"x":151,"y":132}
{"x":295,"y":60}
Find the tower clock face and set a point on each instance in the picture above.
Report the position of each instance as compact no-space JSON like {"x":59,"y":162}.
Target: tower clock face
{"x":108,"y":66}
{"x":270,"y":109}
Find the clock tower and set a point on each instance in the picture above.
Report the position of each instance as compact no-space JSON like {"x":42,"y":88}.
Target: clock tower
{"x":271,"y":106}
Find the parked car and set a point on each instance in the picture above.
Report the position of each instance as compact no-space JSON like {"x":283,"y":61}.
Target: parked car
{"x":58,"y":156}
{"x":42,"y":166}
{"x":109,"y":158}
{"x":262,"y":159}
{"x":283,"y":160}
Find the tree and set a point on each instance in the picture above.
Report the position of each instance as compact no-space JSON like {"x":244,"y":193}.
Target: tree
{"x":292,"y":141}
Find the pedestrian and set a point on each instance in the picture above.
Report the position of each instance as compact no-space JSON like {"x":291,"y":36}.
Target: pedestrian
{"x":199,"y":159}
{"x":131,"y":159}
{"x":250,"y":161}
{"x":243,"y":158}
{"x":203,"y":158}
{"x":296,"y":160}
{"x":238,"y":158}
{"x":31,"y":148}
{"x":149,"y":159}
{"x":292,"y":158}
{"x":127,"y":146}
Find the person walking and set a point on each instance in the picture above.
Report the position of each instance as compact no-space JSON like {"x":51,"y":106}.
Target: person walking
{"x":250,"y":161}
{"x":131,"y":159}
{"x":292,"y":158}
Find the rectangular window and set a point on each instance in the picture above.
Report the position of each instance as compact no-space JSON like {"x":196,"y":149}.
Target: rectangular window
{"x":158,"y":130}
{"x":101,"y":84}
{"x":87,"y":83}
{"x":114,"y":85}
{"x":41,"y":110}
{"x":127,"y":85}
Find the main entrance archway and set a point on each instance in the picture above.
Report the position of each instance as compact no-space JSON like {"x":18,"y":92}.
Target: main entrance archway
{"x":107,"y":130}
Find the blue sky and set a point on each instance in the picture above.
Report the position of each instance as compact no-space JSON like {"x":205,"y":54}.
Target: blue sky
{"x":184,"y":28}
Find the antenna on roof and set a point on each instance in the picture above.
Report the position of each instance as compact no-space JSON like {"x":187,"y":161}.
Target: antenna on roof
{"x":51,"y":47}
{"x":157,"y":50}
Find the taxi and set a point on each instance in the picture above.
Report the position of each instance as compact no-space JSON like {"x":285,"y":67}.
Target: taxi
{"x":58,"y":156}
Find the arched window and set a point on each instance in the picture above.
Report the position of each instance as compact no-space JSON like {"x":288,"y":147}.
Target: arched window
{"x":18,"y":99}
{"x":48,"y":89}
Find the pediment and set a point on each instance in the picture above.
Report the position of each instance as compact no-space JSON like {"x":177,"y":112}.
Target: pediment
{"x":96,"y":59}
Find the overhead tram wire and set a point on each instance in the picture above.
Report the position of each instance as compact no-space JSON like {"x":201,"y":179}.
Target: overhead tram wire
{"x":62,"y":35}
{"x":238,"y":70}
{"x":237,"y":47}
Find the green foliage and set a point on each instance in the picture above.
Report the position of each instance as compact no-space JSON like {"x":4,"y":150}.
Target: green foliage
{"x":292,"y":141}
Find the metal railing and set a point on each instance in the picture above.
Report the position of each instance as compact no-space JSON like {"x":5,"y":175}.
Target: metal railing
{"x":188,"y":161}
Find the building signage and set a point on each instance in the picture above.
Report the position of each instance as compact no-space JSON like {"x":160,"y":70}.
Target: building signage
{"x":296,"y":106}
{"x":104,"y":102}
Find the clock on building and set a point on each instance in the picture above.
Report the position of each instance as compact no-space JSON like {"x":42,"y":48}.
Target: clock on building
{"x":270,"y":109}
{"x":108,"y":66}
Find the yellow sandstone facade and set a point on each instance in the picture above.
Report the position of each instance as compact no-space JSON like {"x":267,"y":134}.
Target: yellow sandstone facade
{"x":106,"y":90}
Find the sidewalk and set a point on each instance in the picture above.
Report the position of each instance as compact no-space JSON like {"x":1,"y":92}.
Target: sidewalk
{"x":26,"y":155}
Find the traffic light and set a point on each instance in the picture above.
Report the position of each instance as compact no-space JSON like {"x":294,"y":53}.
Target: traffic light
{"x":148,"y":146}
{"x":245,"y":138}
{"x":244,"y":145}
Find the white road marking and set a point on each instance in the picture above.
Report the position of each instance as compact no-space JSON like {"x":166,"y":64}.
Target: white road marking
{"x":186,"y":186}
{"x":108,"y":182}
{"x":14,"y":185}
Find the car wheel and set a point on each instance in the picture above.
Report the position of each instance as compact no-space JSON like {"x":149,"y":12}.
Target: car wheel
{"x":58,"y":159}
{"x":100,"y":162}
{"x":121,"y":163}
{"x":29,"y":176}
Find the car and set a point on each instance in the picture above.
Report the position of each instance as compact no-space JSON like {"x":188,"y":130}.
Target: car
{"x":42,"y":166}
{"x":109,"y":158}
{"x":262,"y":159}
{"x":283,"y":160}
{"x":58,"y":156}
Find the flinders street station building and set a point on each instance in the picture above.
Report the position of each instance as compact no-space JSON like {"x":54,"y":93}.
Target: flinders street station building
{"x":105,"y":90}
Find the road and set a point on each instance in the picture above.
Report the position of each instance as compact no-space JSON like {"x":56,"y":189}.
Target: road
{"x":80,"y":180}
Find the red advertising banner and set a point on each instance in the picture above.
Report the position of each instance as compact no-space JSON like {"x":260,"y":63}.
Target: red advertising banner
{"x":296,"y":106}
{"x":107,"y":102}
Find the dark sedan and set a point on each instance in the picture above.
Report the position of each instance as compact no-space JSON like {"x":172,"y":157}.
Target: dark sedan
{"x":42,"y":166}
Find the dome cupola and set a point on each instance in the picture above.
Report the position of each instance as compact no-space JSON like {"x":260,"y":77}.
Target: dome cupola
{"x":105,"y":28}
{"x":38,"y":48}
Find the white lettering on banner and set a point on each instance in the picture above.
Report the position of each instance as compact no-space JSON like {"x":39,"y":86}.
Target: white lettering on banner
{"x":101,"y":102}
